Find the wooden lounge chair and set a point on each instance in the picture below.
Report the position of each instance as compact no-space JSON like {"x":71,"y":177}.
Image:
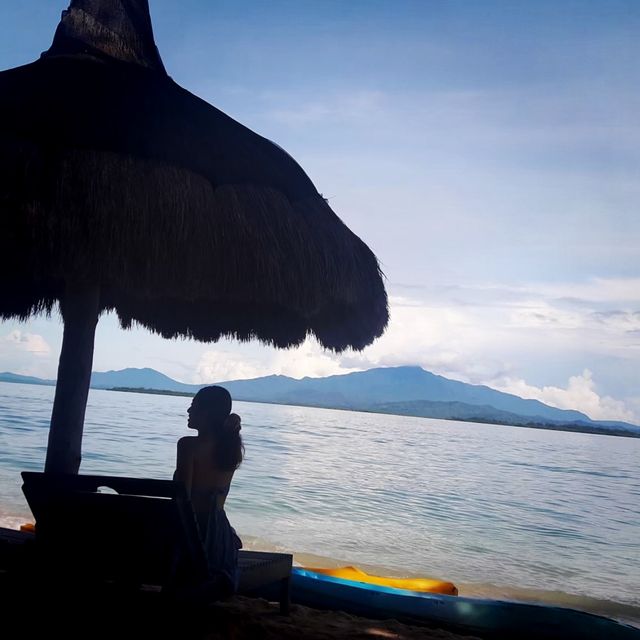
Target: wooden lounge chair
{"x":134,"y":532}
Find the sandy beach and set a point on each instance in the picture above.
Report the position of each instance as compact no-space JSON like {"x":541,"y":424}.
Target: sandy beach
{"x":245,"y":618}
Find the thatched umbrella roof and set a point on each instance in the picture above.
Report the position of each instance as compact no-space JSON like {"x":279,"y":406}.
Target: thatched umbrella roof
{"x":191,"y":223}
{"x":116,"y":180}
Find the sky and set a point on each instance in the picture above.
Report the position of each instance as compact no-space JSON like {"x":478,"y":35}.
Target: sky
{"x":488,"y":153}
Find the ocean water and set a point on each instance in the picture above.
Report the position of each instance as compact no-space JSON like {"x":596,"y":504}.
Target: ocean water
{"x":501,"y":511}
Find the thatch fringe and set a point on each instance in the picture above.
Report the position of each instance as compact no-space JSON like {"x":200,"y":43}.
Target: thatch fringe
{"x":180,"y":257}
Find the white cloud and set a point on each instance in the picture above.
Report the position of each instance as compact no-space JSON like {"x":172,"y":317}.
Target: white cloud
{"x":581,"y":394}
{"x":26,"y":353}
{"x":242,"y":361}
{"x":217,"y":365}
{"x":591,"y":293}
{"x":596,"y":290}
{"x":566,"y":317}
{"x":21,"y":341}
{"x":529,"y":314}
{"x":626,"y":321}
{"x":436,"y":337}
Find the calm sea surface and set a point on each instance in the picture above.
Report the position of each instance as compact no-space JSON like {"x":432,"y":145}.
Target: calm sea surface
{"x":501,"y":511}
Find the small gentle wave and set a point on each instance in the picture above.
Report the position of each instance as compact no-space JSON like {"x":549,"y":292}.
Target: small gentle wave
{"x":546,"y":516}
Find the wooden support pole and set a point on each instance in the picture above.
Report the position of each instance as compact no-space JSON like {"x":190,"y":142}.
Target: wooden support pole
{"x":80,"y":309}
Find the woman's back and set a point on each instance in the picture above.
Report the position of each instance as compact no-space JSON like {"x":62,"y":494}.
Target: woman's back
{"x":205,"y":478}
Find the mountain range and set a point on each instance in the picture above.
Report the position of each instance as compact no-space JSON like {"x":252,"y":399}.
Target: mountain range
{"x":395,"y":390}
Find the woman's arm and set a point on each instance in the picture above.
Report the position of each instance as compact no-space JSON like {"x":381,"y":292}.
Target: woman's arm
{"x":184,"y":464}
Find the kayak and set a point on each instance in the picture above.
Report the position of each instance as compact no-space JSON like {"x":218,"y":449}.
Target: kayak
{"x":422,"y":585}
{"x":496,"y":619}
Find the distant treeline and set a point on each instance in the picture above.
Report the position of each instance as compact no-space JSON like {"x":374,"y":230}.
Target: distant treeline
{"x":413,"y":410}
{"x":574,"y":427}
{"x":155,"y":392}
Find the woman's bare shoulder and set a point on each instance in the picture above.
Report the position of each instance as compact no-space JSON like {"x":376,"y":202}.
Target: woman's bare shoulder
{"x":187,"y":442}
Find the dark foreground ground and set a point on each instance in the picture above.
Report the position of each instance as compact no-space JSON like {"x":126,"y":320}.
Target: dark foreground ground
{"x":51,"y":609}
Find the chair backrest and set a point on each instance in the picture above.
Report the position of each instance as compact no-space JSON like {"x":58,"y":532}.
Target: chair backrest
{"x":140,"y":531}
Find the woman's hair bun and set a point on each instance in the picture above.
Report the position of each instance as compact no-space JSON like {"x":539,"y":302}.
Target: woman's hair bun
{"x":232,"y":423}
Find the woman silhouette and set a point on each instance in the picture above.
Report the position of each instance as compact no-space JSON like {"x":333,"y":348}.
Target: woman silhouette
{"x":206,"y":464}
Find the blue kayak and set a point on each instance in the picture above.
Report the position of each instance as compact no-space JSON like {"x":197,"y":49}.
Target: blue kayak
{"x":485,"y":618}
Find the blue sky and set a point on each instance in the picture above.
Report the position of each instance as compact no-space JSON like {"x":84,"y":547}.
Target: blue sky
{"x":488,"y":152}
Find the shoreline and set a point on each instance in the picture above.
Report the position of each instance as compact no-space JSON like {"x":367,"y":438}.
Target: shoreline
{"x":620,"y":611}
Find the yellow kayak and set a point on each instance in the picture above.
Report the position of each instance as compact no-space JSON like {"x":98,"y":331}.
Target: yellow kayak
{"x":423,"y":585}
